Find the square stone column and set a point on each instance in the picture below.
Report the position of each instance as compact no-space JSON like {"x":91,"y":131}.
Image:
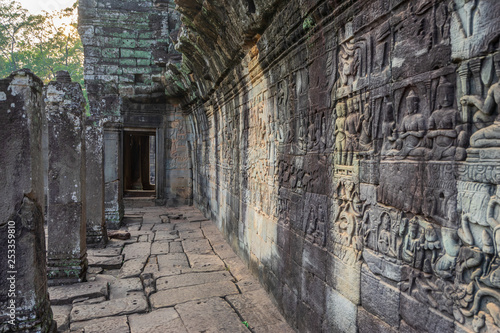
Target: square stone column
{"x":66,"y":211}
{"x":24,"y":301}
{"x":94,"y":161}
{"x":113,"y":176}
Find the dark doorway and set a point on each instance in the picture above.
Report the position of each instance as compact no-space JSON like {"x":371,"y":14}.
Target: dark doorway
{"x":139,"y":163}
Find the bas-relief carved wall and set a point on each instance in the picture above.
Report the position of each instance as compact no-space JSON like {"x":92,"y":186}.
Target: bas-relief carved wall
{"x":354,"y":159}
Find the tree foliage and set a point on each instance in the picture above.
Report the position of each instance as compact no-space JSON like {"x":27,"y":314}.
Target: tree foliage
{"x":44,"y":43}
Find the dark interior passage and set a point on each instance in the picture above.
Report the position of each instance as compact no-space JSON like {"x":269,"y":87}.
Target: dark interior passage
{"x":139,"y":159}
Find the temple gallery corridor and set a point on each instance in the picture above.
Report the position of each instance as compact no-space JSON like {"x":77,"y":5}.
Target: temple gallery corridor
{"x":348,"y":152}
{"x":175,"y":274}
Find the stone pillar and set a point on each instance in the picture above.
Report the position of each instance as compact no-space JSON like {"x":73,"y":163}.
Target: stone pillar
{"x":96,"y":223}
{"x":67,"y":246}
{"x":24,"y":302}
{"x":113,"y":177}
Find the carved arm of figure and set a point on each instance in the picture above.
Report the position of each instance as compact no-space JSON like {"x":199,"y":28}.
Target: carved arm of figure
{"x":360,"y":123}
{"x":418,"y":134}
{"x":486,"y":106}
{"x":494,"y":202}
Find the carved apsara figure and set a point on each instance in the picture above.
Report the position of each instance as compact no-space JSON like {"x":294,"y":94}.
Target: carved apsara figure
{"x":389,"y":132}
{"x":445,"y":130}
{"x":340,"y":137}
{"x":349,"y":62}
{"x":489,"y":136}
{"x":365,"y":138}
{"x":412,"y":243}
{"x":352,"y":128}
{"x":384,"y":236}
{"x":413,"y":129}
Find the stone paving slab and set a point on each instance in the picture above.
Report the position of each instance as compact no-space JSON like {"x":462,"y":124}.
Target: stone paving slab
{"x":163,"y":227}
{"x":166,"y":235}
{"x":211,"y":315}
{"x":191,"y":279}
{"x":172,"y":297}
{"x":191,"y":234}
{"x":177,"y":276}
{"x":117,"y":307}
{"x":200,"y":246}
{"x":165,"y":320}
{"x":188,"y":226}
{"x":106,"y":252}
{"x":61,"y":295}
{"x":175,"y":247}
{"x":172,"y":260}
{"x":121,"y":288}
{"x":61,"y":316}
{"x":256,"y":308}
{"x":223,"y":250}
{"x":137,"y":250}
{"x":248,"y":284}
{"x":160,"y":247}
{"x":132,"y":268}
{"x":205,"y":262}
{"x":102,"y":325}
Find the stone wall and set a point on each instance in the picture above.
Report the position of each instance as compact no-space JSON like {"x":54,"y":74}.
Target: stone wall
{"x":351,"y":155}
{"x":127,"y":46}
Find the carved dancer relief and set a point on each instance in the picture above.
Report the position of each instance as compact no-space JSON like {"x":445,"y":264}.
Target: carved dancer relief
{"x":412,"y":130}
{"x":365,"y":138}
{"x":352,"y":128}
{"x":347,"y":229}
{"x":446,"y":134}
{"x":488,"y":136}
{"x":389,"y":132}
{"x":339,"y":132}
{"x":349,"y":60}
{"x":315,"y":219}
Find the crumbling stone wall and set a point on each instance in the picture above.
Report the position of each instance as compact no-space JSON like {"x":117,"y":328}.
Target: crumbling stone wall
{"x":351,"y":155}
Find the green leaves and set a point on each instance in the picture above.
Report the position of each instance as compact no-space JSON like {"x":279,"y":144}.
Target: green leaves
{"x":44,"y":43}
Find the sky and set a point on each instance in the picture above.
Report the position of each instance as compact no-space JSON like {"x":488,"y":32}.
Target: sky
{"x":36,"y":6}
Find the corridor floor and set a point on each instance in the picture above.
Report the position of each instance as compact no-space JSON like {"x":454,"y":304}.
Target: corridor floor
{"x":175,"y":274}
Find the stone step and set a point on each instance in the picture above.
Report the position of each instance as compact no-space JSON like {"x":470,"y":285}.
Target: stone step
{"x":60,"y":295}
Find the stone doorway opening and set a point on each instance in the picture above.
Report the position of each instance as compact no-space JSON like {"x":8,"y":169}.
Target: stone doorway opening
{"x":139,"y":162}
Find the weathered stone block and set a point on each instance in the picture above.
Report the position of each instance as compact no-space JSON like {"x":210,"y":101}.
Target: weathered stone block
{"x":423,"y":318}
{"x":24,"y":305}
{"x":344,"y":278}
{"x":368,"y":323}
{"x":341,"y":314}
{"x":388,"y":307}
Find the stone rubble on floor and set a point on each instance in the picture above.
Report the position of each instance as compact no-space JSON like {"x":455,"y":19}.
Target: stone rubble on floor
{"x":175,"y":274}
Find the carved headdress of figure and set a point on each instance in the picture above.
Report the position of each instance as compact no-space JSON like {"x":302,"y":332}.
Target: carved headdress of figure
{"x":412,"y":96}
{"x":445,"y":92}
